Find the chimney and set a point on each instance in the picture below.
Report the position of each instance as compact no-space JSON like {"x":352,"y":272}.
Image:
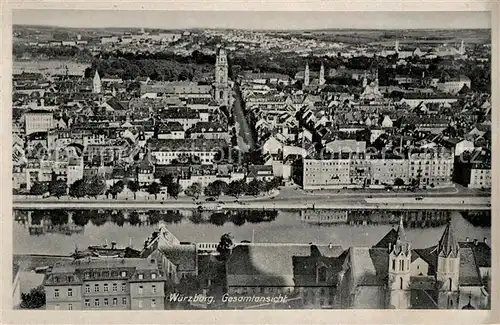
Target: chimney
{"x":113,"y":245}
{"x":485,"y":240}
{"x":331,"y":245}
{"x":467,"y":239}
{"x":475,"y":241}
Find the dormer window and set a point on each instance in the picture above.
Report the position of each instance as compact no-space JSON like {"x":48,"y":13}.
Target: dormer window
{"x":124,"y":274}
{"x":141,"y":276}
{"x":153,"y":275}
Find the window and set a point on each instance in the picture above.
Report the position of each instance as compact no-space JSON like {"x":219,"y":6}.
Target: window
{"x":141,"y":303}
{"x":87,"y":302}
{"x":141,"y":276}
{"x":70,"y":292}
{"x":153,"y":303}
{"x":105,"y":274}
{"x":70,"y":306}
{"x":106,"y":303}
{"x":70,"y":278}
{"x":123,"y":274}
{"x":140,"y":290}
{"x":87,"y":288}
{"x":401,"y":283}
{"x":124,"y":287}
{"x":115,"y":287}
{"x":96,"y":288}
{"x":96,"y":302}
{"x":153,"y":275}
{"x":124,"y":300}
{"x":115,"y":301}
{"x":450,"y":284}
{"x":106,"y":288}
{"x":95,"y":274}
{"x":394,"y":265}
{"x":153,"y":288}
{"x":56,"y":293}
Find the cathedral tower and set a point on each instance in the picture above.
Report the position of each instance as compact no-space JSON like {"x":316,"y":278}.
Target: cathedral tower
{"x":447,"y":272}
{"x":306,"y":75}
{"x":221,"y":78}
{"x":399,"y":270}
{"x":322,"y":75}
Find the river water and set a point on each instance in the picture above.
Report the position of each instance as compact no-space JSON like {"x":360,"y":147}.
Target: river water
{"x":286,"y":228}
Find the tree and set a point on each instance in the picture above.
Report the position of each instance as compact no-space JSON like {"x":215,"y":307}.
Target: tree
{"x":77,"y":189}
{"x":236,"y":188}
{"x":133,"y":186}
{"x":399,"y":182}
{"x":194,"y":190}
{"x":254,"y":187}
{"x":95,"y":185}
{"x":116,"y":189}
{"x":166,"y":180}
{"x":215,"y":188}
{"x":225,"y":246}
{"x":34,"y":299}
{"x":154,"y":188}
{"x":38,"y":188}
{"x":174,"y":189}
{"x":57,"y":188}
{"x":98,"y":218}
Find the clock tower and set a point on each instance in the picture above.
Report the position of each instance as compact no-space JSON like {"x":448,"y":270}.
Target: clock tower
{"x":221,"y":78}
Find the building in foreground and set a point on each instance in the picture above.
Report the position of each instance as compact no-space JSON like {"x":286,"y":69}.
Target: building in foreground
{"x":388,"y":275}
{"x":105,"y":284}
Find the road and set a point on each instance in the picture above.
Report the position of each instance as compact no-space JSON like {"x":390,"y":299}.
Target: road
{"x":382,"y":203}
{"x":244,"y":130}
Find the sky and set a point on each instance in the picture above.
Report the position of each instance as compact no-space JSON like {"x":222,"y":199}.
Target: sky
{"x":252,"y":19}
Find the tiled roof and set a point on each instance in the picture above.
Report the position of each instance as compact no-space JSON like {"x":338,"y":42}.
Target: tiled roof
{"x":207,"y":127}
{"x":469,"y":272}
{"x":269,"y":264}
{"x":482,"y":252}
{"x":170,"y":127}
{"x":183,"y":256}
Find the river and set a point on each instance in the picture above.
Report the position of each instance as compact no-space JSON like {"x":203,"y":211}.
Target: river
{"x":286,"y":228}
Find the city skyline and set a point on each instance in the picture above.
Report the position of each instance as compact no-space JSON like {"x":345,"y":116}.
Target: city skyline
{"x":254,"y":20}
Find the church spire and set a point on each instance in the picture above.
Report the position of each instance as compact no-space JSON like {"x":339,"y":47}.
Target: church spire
{"x":400,"y":242}
{"x":448,"y":245}
{"x":306,"y":75}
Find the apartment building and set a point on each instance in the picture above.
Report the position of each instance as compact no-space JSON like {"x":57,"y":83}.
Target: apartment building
{"x":432,"y":169}
{"x":38,"y":121}
{"x":168,"y":150}
{"x":329,"y":173}
{"x":105,"y":284}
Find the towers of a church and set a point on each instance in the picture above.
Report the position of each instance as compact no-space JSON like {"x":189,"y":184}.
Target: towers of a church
{"x":306,"y":75}
{"x":448,"y":266}
{"x":399,"y":271}
{"x":221,"y":78}
{"x":322,"y":75}
{"x":96,"y":84}
{"x":462,"y":48}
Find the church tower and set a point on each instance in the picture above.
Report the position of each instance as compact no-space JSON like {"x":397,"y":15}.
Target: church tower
{"x":399,"y":270}
{"x":221,"y":78}
{"x":306,"y":75}
{"x":447,"y":272}
{"x":396,"y":46}
{"x":322,"y":75}
{"x":96,"y":85}
{"x":462,"y":48}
